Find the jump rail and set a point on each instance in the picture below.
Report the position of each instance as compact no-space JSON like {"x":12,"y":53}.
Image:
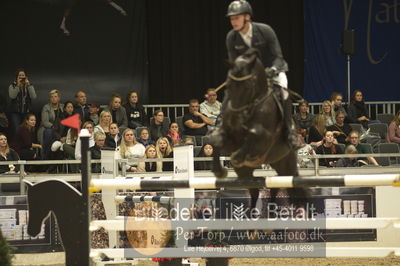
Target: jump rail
{"x":160,"y":199}
{"x":254,"y":182}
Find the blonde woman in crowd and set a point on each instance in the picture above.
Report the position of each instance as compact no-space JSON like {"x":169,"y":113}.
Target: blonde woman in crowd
{"x":164,"y":150}
{"x":150,"y":153}
{"x":317,"y":131}
{"x":104,"y":122}
{"x":130,"y":149}
{"x":328,"y":112}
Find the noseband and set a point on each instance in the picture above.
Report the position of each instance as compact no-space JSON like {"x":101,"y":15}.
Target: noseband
{"x":240,"y":78}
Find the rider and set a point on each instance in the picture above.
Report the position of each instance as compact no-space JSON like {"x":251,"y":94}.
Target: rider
{"x":247,"y":34}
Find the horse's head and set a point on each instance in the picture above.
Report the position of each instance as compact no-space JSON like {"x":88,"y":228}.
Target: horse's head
{"x":246,"y":78}
{"x":37,"y":209}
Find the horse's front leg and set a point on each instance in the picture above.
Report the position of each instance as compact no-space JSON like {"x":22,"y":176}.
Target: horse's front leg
{"x":254,"y":145}
{"x":218,"y":170}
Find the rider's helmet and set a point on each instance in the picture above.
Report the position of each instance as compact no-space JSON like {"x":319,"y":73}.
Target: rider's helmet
{"x":238,"y":7}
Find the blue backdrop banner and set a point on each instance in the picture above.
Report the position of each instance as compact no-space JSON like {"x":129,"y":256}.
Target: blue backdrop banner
{"x":374,"y":68}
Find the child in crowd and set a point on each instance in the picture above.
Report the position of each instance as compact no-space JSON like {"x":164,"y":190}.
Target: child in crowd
{"x":150,"y":153}
{"x":350,"y":162}
{"x":164,"y":150}
{"x":94,"y":109}
{"x":144,"y":137}
{"x":206,"y":150}
{"x":99,"y":140}
{"x":173,"y":134}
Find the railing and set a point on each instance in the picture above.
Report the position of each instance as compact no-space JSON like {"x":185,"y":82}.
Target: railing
{"x":265,"y":171}
{"x":374,"y":108}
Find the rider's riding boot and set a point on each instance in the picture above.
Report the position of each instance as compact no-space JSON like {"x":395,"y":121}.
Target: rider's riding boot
{"x":290,"y":130}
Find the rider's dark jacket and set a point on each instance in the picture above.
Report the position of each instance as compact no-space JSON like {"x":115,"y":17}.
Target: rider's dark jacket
{"x":264,"y":39}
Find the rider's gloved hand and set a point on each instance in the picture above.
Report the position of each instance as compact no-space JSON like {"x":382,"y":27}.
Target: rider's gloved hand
{"x":271,"y":72}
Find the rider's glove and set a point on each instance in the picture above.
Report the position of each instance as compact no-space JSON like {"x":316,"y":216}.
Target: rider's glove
{"x":271,"y":72}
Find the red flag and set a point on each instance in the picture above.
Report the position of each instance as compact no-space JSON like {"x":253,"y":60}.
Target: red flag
{"x":72,"y":121}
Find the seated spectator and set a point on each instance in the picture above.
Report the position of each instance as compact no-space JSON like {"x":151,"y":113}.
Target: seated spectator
{"x":305,"y":150}
{"x":144,"y":138}
{"x":81,"y":107}
{"x":90,"y":127}
{"x":52,"y":114}
{"x":135,"y":112}
{"x":7,"y":154}
{"x":337,"y":104}
{"x":118,"y":112}
{"x":158,"y":126}
{"x":113,"y":138}
{"x":393,"y":134}
{"x":357,"y":109}
{"x":350,"y":162}
{"x":67,"y":112}
{"x":211,"y":107}
{"x":194,"y":122}
{"x":21,"y":93}
{"x":174,"y":135}
{"x":303,"y":119}
{"x":104,"y":122}
{"x":206,"y":150}
{"x":150,"y":153}
{"x":130,"y":149}
{"x":94,"y":109}
{"x":328,"y":147}
{"x":24,"y":142}
{"x":328,"y":112}
{"x":317,"y":131}
{"x":188,"y":141}
{"x":355,"y":141}
{"x":340,"y":130}
{"x":3,"y":117}
{"x":164,"y":150}
{"x":64,"y":137}
{"x":99,"y":140}
{"x":68,"y":147}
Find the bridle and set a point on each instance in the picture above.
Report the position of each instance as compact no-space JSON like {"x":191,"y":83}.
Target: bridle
{"x":252,"y":104}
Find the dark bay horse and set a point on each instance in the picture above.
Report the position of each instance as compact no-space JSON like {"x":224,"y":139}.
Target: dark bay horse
{"x":65,"y":202}
{"x":252,"y":126}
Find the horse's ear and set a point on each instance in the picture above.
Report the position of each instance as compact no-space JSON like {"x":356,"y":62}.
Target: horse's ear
{"x":28,"y":184}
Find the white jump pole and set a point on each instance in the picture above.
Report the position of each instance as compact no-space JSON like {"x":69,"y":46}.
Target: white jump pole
{"x":255,"y":182}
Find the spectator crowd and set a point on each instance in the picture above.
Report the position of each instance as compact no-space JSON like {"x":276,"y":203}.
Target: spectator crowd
{"x":125,"y":126}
